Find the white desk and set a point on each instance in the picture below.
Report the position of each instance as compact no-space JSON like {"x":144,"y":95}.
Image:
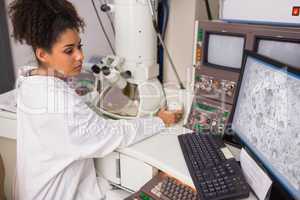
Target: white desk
{"x":161,"y":151}
{"x":164,"y":153}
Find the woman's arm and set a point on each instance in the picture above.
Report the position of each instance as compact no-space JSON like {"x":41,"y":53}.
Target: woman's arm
{"x":96,"y":136}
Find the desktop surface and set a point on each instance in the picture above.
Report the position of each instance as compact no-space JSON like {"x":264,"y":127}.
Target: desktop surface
{"x":163,"y":152}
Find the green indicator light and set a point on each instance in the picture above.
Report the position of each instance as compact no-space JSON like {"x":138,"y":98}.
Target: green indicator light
{"x":198,"y":127}
{"x":206,"y":107}
{"x":198,"y":78}
{"x":200,"y":35}
{"x":144,"y":196}
{"x":226,"y":114}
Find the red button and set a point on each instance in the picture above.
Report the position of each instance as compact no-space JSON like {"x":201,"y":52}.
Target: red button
{"x":296,"y":11}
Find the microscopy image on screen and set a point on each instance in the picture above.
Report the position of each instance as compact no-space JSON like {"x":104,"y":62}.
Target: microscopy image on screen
{"x":268,"y":115}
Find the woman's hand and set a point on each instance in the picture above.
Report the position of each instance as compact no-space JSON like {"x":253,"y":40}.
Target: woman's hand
{"x":170,"y":117}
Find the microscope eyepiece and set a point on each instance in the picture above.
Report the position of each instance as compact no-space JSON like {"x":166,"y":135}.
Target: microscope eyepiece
{"x":96,"y":69}
{"x":105,"y":70}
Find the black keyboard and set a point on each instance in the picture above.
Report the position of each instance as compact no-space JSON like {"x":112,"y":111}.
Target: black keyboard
{"x":215,"y":176}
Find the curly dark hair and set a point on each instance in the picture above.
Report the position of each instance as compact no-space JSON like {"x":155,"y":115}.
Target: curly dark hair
{"x":40,"y":22}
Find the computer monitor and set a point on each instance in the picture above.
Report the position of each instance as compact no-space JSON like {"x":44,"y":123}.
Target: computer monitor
{"x":283,"y":50}
{"x":223,"y":50}
{"x":266,"y":118}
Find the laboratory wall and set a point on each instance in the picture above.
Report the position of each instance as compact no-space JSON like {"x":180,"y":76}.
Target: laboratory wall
{"x":8,"y":153}
{"x":180,"y":36}
{"x":6,"y":65}
{"x":93,"y":38}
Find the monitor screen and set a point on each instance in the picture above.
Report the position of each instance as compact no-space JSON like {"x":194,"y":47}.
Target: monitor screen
{"x":266,"y":118}
{"x":225,"y":50}
{"x":283,"y":51}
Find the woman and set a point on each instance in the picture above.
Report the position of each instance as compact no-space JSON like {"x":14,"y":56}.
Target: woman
{"x":58,"y":134}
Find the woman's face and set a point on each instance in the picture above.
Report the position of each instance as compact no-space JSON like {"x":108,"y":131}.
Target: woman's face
{"x":66,"y":55}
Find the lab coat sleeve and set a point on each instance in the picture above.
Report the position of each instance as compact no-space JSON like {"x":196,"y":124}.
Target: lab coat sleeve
{"x":95,"y":136}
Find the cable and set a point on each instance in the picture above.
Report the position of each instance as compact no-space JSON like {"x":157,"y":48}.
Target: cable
{"x":166,"y":18}
{"x":155,"y":25}
{"x":109,"y":18}
{"x":208,"y":10}
{"x":102,"y":27}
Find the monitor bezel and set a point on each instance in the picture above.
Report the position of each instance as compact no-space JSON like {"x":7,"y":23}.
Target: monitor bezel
{"x":205,"y":49}
{"x":232,"y":135}
{"x":257,"y":38}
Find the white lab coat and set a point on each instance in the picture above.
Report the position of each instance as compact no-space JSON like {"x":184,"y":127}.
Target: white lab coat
{"x":57,"y":137}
